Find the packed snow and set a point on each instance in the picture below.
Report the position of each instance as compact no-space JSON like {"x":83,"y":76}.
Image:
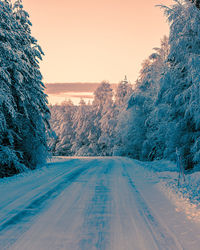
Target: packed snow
{"x":95,"y":203}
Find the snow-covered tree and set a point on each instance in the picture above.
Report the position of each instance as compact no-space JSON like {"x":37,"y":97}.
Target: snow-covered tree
{"x":108,"y":123}
{"x":180,"y":83}
{"x":89,"y":129}
{"x":130,"y":129}
{"x":64,"y":129}
{"x":153,"y":145}
{"x":24,"y":113}
{"x":123,"y":92}
{"x":83,"y":125}
{"x":133,"y":128}
{"x":103,"y":99}
{"x":35,"y":114}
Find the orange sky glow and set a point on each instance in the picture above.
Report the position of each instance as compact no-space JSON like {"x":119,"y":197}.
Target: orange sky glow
{"x":95,"y":40}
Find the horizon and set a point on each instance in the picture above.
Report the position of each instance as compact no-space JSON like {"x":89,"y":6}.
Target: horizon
{"x":89,"y":41}
{"x":60,"y":92}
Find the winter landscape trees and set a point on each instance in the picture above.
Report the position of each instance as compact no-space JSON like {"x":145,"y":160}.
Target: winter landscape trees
{"x":91,"y":128}
{"x":162,"y":112}
{"x":147,"y":122}
{"x":23,"y":105}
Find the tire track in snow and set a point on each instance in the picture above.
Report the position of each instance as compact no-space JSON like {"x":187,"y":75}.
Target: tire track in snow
{"x":160,"y":234}
{"x":21,"y":198}
{"x":96,"y":226}
{"x":18,"y":223}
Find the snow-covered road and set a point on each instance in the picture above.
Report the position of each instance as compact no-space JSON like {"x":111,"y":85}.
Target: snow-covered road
{"x":91,"y":203}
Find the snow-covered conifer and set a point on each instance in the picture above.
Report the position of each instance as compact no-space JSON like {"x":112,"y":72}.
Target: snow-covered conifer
{"x":180,"y":84}
{"x":24,"y":110}
{"x":65,"y":131}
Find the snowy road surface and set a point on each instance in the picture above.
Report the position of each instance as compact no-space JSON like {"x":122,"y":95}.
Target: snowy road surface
{"x":91,"y":203}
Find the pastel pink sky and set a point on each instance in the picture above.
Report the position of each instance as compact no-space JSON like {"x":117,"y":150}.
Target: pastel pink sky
{"x":95,"y":40}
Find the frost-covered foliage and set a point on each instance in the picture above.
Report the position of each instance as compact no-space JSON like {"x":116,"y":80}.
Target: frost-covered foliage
{"x":134,"y":130}
{"x":62,"y":125}
{"x":164,"y":111}
{"x":180,"y":91}
{"x":23,"y":105}
{"x":89,"y":129}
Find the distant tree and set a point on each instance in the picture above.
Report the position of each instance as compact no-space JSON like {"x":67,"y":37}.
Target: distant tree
{"x":135,"y":126}
{"x":53,"y":135}
{"x":65,"y":132}
{"x":108,"y":123}
{"x":82,"y":125}
{"x":154,"y":144}
{"x":102,"y":101}
{"x":89,"y":129}
{"x":123,"y":92}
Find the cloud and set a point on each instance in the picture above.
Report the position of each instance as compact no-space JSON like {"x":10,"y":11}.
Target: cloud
{"x":59,"y":88}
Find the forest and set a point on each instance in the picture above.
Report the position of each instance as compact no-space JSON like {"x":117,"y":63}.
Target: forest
{"x":148,"y":120}
{"x":160,"y":114}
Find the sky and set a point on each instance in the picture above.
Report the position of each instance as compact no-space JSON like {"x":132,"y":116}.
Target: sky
{"x":95,"y":40}
{"x":59,"y":92}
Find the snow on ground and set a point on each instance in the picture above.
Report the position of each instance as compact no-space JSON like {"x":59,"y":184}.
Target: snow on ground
{"x":94,"y":203}
{"x":186,"y":195}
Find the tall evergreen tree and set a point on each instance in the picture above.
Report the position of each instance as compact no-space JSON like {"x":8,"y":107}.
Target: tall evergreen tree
{"x":9,"y":156}
{"x":135,"y":126}
{"x":25,"y":113}
{"x":123,"y":92}
{"x":180,"y":83}
{"x":35,"y":123}
{"x":102,"y":101}
{"x":83,"y":125}
{"x":66,"y":132}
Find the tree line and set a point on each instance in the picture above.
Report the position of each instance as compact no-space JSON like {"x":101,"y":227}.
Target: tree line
{"x":89,"y":129}
{"x":161,"y":114}
{"x":149,"y":122}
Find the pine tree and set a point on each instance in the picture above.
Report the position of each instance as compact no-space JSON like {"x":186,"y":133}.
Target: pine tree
{"x":102,"y":101}
{"x":35,"y":113}
{"x":108,"y":123}
{"x":10,"y":157}
{"x":123,"y":92}
{"x":24,"y":110}
{"x":83,"y":126}
{"x":136,"y":124}
{"x":154,"y":144}
{"x":66,"y":132}
{"x":180,"y":83}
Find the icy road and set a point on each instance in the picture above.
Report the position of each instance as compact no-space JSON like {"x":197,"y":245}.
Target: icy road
{"x":91,"y":203}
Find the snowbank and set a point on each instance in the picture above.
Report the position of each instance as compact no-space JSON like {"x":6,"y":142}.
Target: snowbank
{"x":186,"y":195}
